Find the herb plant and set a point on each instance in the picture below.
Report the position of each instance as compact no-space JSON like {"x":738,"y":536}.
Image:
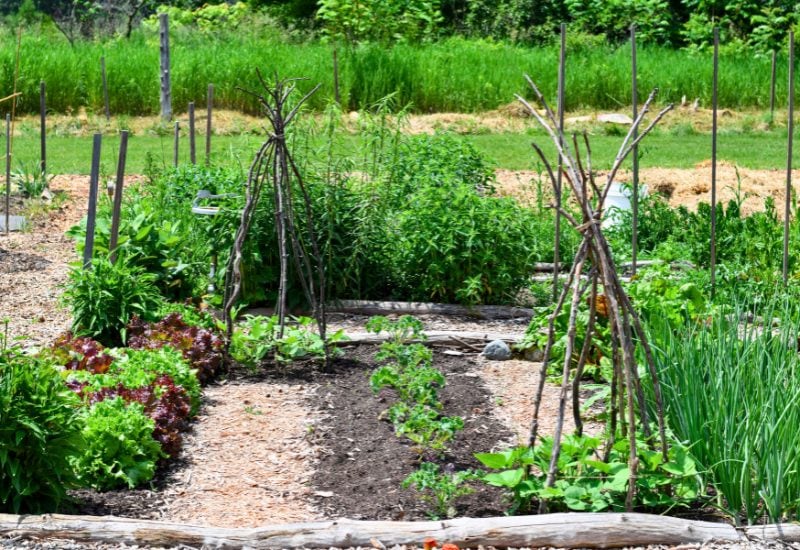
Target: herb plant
{"x":105,"y":297}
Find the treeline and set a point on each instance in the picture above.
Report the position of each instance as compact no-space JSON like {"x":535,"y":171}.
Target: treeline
{"x":744,"y":24}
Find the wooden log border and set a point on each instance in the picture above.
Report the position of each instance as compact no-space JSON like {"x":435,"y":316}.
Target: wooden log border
{"x":369,"y":307}
{"x":569,"y":530}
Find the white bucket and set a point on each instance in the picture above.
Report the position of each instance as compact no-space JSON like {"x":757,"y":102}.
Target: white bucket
{"x":619,"y":199}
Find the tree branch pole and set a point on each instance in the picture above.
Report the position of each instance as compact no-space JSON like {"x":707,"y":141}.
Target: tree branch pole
{"x":622,"y":317}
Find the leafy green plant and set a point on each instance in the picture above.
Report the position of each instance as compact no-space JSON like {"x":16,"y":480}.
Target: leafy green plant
{"x":134,"y":369}
{"x":586,"y":482}
{"x":104,"y":297}
{"x":120,"y":448}
{"x":40,"y":429}
{"x":257,"y":337}
{"x":440,"y":488}
{"x":424,"y":426}
{"x":31,"y":180}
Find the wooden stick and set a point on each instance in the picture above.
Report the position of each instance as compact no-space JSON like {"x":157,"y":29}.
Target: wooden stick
{"x":105,"y":87}
{"x":43,"y":128}
{"x":713,"y":243}
{"x":176,"y":149}
{"x":115,"y":214}
{"x":790,"y":141}
{"x":88,"y":248}
{"x":166,"y":87}
{"x":368,"y":307}
{"x":635,"y":154}
{"x":209,"y":123}
{"x":8,"y":173}
{"x":192,"y":143}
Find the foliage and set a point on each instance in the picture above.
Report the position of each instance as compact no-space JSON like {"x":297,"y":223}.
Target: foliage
{"x":79,"y":353}
{"x":409,"y":371}
{"x":120,"y":446}
{"x":450,"y":75}
{"x":39,"y":431}
{"x":200,"y":347}
{"x":104,"y":297}
{"x":159,"y":380}
{"x":443,"y":238}
{"x":168,"y":405}
{"x":208,"y":18}
{"x":355,"y":21}
{"x":730,"y":387}
{"x":255,"y":338}
{"x":440,"y":488}
{"x":31,"y":180}
{"x":159,"y":233}
{"x":587,"y":483}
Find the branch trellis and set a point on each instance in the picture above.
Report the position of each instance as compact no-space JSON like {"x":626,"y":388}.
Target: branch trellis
{"x":274,"y":166}
{"x":594,"y":259}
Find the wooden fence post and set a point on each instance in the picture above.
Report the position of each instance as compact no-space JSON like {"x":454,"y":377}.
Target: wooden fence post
{"x":790,"y":131}
{"x":209,"y":124}
{"x":91,"y":213}
{"x":105,"y":87}
{"x":177,"y":140}
{"x":43,"y":127}
{"x":192,"y":144}
{"x":115,"y":214}
{"x":8,"y":173}
{"x":166,"y":89}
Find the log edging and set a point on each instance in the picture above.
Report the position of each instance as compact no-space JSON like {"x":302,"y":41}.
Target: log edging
{"x":565,"y":530}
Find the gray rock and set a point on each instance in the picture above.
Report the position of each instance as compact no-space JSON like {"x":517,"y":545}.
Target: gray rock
{"x":497,"y":350}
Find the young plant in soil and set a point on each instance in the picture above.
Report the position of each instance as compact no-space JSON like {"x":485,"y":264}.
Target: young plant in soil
{"x":410,"y":372}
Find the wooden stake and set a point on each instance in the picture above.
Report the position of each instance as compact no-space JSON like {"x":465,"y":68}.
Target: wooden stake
{"x":562,"y":60}
{"x":8,"y":173}
{"x":105,"y":87}
{"x":790,"y":142}
{"x":115,"y":213}
{"x":192,"y":144}
{"x":772,"y":77}
{"x":634,"y":156}
{"x":713,"y":243}
{"x":177,"y":141}
{"x":336,"y":95}
{"x":166,"y":87}
{"x":209,"y":125}
{"x":94,"y":178}
{"x":43,"y":127}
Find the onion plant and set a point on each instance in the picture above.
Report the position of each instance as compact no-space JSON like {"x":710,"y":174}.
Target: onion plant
{"x":731,"y":389}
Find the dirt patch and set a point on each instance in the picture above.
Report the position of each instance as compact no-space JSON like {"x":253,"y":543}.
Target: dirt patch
{"x":363,"y":462}
{"x":682,"y":187}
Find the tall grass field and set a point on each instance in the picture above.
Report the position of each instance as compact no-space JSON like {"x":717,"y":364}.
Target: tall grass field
{"x":451,"y":75}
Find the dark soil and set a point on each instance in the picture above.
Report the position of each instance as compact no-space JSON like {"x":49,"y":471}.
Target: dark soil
{"x":366,"y":463}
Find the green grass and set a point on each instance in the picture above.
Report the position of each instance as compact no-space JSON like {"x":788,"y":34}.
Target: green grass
{"x":72,"y":155}
{"x":451,"y":75}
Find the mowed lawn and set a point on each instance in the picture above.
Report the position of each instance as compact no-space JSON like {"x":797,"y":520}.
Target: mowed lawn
{"x":72,"y":155}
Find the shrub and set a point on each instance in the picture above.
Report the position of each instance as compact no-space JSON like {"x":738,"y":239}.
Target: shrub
{"x":104,"y":297}
{"x":120,"y":446}
{"x":40,"y":430}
